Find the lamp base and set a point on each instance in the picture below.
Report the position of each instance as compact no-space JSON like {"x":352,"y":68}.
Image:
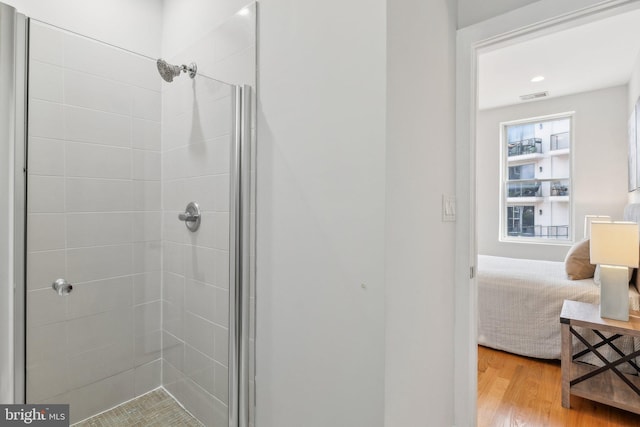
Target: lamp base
{"x":614,"y":292}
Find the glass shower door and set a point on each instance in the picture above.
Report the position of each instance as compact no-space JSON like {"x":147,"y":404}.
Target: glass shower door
{"x":122,"y":295}
{"x":93,"y":223}
{"x":198,"y":140}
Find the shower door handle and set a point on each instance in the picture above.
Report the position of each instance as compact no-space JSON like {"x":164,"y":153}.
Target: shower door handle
{"x":62,"y":287}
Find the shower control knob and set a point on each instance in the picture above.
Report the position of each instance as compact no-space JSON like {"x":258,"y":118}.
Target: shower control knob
{"x":191,"y":216}
{"x":62,"y":287}
{"x":188,"y":217}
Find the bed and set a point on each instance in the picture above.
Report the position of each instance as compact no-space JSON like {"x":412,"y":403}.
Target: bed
{"x":519,"y":302}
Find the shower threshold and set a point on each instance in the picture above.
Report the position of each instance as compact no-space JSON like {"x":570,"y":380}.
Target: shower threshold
{"x":154,"y":409}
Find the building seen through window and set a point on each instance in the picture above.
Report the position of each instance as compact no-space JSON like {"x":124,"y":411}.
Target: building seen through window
{"x":536,"y":184}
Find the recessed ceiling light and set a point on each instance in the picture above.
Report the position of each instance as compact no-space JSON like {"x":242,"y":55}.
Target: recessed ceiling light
{"x":243,"y":12}
{"x":537,"y":79}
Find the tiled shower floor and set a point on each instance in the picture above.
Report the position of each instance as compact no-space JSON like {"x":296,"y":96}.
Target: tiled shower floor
{"x":154,"y":409}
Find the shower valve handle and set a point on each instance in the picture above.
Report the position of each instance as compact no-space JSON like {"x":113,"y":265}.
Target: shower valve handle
{"x":188,"y":217}
{"x":191,"y":216}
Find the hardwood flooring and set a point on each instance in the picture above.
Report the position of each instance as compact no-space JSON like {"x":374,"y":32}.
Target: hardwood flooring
{"x":518,"y":391}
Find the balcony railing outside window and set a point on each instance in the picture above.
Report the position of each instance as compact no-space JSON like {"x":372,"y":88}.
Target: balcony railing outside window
{"x":560,"y":141}
{"x":552,"y":231}
{"x":549,"y":231}
{"x":525,"y":146}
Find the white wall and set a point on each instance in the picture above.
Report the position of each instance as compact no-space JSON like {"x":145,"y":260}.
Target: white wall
{"x":133,"y":25}
{"x":599,"y":165}
{"x":321,"y":208}
{"x":473,"y":11}
{"x":419,"y":246}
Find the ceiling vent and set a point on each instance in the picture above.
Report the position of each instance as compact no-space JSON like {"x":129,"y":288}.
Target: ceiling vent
{"x":533,"y":96}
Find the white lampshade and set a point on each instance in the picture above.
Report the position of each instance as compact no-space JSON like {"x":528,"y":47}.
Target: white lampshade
{"x":614,"y":243}
{"x":588,"y":219}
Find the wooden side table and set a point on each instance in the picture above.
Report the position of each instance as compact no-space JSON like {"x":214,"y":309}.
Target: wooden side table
{"x":604,"y":384}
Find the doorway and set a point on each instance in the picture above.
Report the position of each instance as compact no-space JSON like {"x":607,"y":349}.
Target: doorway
{"x":544,"y":17}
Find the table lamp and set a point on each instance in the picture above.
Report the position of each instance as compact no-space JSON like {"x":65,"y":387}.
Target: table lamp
{"x":614,"y":245}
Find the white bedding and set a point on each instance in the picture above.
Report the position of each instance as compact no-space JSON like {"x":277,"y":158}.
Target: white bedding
{"x":519,"y":304}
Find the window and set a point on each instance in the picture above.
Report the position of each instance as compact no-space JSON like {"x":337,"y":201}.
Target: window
{"x":536,"y":184}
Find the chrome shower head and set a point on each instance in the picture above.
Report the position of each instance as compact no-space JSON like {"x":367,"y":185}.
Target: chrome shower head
{"x":168,"y":71}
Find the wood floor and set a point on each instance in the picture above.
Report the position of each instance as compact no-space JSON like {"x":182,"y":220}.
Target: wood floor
{"x":520,"y":391}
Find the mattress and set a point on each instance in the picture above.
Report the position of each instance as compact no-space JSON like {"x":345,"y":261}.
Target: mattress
{"x":519,"y":304}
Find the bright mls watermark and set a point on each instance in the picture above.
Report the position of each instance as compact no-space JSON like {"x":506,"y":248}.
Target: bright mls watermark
{"x":34,"y":415}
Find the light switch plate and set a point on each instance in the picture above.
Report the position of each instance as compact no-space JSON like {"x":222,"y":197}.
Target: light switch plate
{"x":448,"y":208}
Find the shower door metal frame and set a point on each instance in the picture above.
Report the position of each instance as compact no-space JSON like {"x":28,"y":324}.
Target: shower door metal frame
{"x":20,"y":209}
{"x":240,"y":258}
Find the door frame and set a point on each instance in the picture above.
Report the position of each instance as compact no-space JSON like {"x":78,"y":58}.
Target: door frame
{"x":536,"y":19}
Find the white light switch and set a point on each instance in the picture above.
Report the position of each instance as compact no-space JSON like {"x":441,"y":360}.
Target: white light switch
{"x":448,"y":208}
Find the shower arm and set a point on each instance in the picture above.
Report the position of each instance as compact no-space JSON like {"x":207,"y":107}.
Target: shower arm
{"x":192,"y":69}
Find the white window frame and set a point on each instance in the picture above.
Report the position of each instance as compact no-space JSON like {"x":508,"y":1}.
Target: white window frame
{"x":504,"y":179}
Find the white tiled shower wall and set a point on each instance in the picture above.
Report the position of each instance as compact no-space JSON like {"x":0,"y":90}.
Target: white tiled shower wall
{"x":228,"y":51}
{"x":94,"y":218}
